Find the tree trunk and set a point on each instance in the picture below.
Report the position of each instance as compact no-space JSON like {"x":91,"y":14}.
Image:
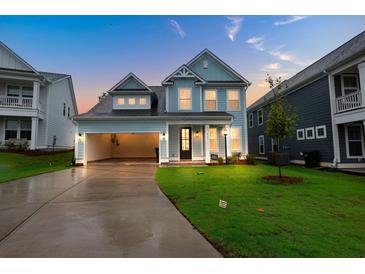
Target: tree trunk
{"x":279,"y":171}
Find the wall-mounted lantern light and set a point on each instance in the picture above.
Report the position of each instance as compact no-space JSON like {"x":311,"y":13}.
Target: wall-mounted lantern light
{"x":197,"y":134}
{"x":163,"y":136}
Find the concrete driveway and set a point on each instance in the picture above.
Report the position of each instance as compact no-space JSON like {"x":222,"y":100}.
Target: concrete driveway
{"x":106,"y":209}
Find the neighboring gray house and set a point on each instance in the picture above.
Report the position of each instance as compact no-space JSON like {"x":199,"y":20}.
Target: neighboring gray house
{"x":184,"y":118}
{"x":329,"y":97}
{"x":35,"y":106}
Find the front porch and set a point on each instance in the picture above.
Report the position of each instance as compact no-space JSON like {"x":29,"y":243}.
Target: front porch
{"x":202,"y":143}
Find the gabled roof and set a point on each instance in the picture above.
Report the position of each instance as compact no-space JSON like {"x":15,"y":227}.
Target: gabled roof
{"x":182,"y":72}
{"x":19,"y":59}
{"x":125,"y":79}
{"x":218,"y":60}
{"x":345,"y":53}
{"x":53,"y":77}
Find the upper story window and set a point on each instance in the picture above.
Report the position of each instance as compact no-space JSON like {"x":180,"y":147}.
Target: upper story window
{"x":205,"y":64}
{"x":143,"y":100}
{"x":350,"y":84}
{"x":184,"y":98}
{"x":250,"y":120}
{"x":260,"y":117}
{"x":131,"y":101}
{"x":233,"y":99}
{"x":68,"y":112}
{"x":20,"y":91}
{"x":64,"y":109}
{"x":121,"y":101}
{"x":210,"y":99}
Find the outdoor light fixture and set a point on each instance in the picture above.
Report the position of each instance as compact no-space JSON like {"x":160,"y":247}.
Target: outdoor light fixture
{"x":163,"y":135}
{"x":225,"y":133}
{"x":197,"y":133}
{"x":80,"y":134}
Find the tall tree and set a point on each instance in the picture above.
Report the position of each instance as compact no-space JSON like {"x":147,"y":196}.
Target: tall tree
{"x":282,"y":117}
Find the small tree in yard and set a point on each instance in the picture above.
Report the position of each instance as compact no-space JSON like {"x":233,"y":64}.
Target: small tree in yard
{"x":281,"y":118}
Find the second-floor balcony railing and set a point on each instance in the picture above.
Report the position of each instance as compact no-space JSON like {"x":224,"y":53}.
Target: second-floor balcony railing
{"x":348,"y":101}
{"x":16,"y":102}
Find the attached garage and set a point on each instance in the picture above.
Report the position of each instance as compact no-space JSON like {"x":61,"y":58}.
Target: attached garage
{"x":100,"y":146}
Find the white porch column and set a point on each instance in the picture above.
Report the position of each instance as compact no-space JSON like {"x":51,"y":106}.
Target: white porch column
{"x":207,"y":143}
{"x":33,"y":140}
{"x":361,"y":68}
{"x":36,"y":88}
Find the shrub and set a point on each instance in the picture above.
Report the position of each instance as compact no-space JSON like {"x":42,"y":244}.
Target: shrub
{"x":251,"y":159}
{"x":220,"y":160}
{"x":21,"y":146}
{"x":10,"y":145}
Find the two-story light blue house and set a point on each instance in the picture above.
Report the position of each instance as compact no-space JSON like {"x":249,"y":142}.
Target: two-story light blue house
{"x":184,"y":119}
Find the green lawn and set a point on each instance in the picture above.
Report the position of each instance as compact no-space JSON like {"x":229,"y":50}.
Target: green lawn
{"x":15,"y":166}
{"x":323,"y":217}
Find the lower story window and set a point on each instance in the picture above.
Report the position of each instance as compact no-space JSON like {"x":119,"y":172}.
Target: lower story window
{"x":354,"y":141}
{"x":11,"y":130}
{"x":235,"y":139}
{"x":26,"y":129}
{"x":261,"y":144}
{"x":213,"y":139}
{"x":18,"y":129}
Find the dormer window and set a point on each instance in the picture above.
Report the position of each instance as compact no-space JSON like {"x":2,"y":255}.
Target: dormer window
{"x":143,"y":100}
{"x":131,"y":101}
{"x":205,"y":64}
{"x":121,"y":101}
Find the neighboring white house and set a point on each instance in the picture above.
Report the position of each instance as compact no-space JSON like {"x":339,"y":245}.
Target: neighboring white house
{"x":35,"y":106}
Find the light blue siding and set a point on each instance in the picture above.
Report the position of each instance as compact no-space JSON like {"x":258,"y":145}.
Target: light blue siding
{"x":174,"y":97}
{"x":131,"y":83}
{"x":214,"y":72}
{"x":174,"y":141}
{"x":197,"y":141}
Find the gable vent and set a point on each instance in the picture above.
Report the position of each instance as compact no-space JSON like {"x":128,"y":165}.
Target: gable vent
{"x":205,"y":64}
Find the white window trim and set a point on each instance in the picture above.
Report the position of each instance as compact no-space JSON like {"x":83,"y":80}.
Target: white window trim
{"x":306,"y":133}
{"x":347,"y":142}
{"x":324,"y":131}
{"x":217,"y":140}
{"x":258,"y":116}
{"x":302,"y":131}
{"x":250,"y":119}
{"x":230,"y":136}
{"x":18,"y":130}
{"x":191,"y":98}
{"x":216,"y":100}
{"x":263,"y":140}
{"x":343,"y":83}
{"x":239,"y":99}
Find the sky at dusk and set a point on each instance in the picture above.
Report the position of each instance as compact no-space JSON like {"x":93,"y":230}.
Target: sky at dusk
{"x":100,"y":50}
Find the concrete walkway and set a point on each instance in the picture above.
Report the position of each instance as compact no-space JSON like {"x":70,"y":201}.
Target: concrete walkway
{"x":102,"y":210}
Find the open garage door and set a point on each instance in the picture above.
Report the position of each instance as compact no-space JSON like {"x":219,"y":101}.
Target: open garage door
{"x":126,"y":146}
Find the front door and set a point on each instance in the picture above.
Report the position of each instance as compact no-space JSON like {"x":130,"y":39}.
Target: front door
{"x":185,"y":143}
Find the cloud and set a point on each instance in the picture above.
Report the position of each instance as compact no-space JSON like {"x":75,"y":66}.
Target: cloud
{"x":175,"y":26}
{"x":290,"y":19}
{"x":257,"y":43}
{"x":290,"y":58}
{"x":234,"y":27}
{"x":271,"y":67}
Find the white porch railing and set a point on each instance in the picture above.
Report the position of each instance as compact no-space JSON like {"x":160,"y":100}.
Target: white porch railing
{"x":16,"y":102}
{"x":348,"y":102}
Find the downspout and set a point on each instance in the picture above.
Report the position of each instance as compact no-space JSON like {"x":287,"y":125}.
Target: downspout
{"x":336,"y":159}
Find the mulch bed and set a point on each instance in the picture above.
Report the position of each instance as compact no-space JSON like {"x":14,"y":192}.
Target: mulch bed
{"x":284,"y":180}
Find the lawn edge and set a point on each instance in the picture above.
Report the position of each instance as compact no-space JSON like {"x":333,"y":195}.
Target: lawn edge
{"x":35,"y":174}
{"x":217,"y":247}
